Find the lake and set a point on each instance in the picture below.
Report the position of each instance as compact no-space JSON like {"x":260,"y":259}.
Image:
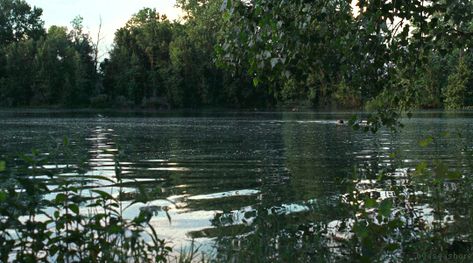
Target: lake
{"x":209,"y":174}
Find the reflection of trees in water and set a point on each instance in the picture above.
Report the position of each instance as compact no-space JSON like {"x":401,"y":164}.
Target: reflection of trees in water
{"x":270,"y":182}
{"x":298,"y":170}
{"x":316,"y":156}
{"x":319,"y":155}
{"x":304,"y":192}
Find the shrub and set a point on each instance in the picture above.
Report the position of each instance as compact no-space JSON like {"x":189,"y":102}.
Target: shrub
{"x":45,"y":217}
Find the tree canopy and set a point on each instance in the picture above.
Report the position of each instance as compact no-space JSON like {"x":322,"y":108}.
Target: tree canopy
{"x":18,"y":21}
{"x":326,"y":54}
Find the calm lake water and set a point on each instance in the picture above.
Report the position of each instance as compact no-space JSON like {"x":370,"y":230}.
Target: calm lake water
{"x":213,"y":172}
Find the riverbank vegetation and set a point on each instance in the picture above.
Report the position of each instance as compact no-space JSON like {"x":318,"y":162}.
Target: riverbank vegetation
{"x":52,"y":212}
{"x":46,"y":216}
{"x":323,"y":54}
{"x":379,"y":55}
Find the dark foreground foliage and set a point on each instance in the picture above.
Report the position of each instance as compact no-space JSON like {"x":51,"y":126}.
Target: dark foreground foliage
{"x":48,"y":217}
{"x":390,"y":215}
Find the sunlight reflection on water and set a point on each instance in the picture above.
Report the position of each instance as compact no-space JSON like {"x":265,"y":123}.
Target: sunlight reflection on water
{"x":210,"y":172}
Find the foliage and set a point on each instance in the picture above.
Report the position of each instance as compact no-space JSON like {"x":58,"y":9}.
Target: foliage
{"x":456,"y":90}
{"x":320,"y":46}
{"x":39,"y":68}
{"x":291,"y":44}
{"x":260,"y":53}
{"x":45,"y":217}
{"x":18,"y":21}
{"x":65,"y":73}
{"x":162,"y":64}
{"x":137,"y":64}
{"x":417,"y":215}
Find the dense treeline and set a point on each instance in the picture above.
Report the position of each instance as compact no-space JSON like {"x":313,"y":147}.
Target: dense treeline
{"x":258,"y":53}
{"x":39,"y":67}
{"x":158,"y":63}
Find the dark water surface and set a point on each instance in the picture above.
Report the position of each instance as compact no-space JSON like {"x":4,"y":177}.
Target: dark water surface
{"x":212,"y":171}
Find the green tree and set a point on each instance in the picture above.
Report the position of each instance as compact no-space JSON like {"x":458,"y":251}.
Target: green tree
{"x":38,"y":68}
{"x":456,"y":90}
{"x":53,"y":61}
{"x":19,"y":68}
{"x":140,"y":58}
{"x":322,"y":50}
{"x":195,"y":58}
{"x":20,"y":26}
{"x":85,"y":74}
{"x":18,"y":21}
{"x":66,"y":74}
{"x":290,"y":46}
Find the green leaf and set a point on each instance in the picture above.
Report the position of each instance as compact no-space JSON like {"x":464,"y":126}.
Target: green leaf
{"x":421,"y":169}
{"x":370,"y":203}
{"x":99,"y":177}
{"x":60,"y":198}
{"x":455,"y":175}
{"x":380,"y":175}
{"x":440,"y":169}
{"x":360,"y":230}
{"x":3,"y":196}
{"x":392,"y":246}
{"x":114,"y":229}
{"x":425,"y":142}
{"x":385,"y":207}
{"x":53,"y":250}
{"x":3,"y":166}
{"x":255,"y":82}
{"x":27,"y":159}
{"x":74,"y":208}
{"x":104,"y":195}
